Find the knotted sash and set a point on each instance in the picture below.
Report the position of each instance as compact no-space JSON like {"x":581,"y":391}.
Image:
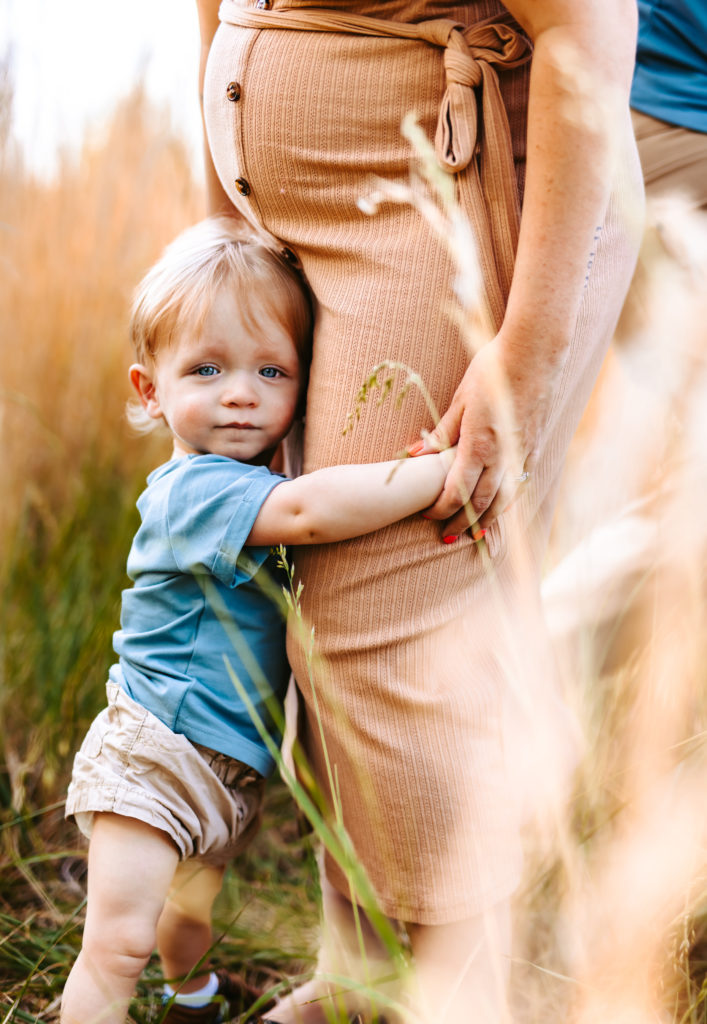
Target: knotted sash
{"x":472,"y":139}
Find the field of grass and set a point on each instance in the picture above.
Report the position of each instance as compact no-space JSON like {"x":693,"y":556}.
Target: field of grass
{"x":612,"y":916}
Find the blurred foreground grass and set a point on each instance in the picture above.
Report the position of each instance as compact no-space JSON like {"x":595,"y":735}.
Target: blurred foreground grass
{"x":71,"y":252}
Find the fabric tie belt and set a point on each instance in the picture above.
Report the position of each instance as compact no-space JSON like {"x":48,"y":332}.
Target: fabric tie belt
{"x":472,"y":117}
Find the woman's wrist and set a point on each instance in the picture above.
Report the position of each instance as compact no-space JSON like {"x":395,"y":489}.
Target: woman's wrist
{"x":535,"y":356}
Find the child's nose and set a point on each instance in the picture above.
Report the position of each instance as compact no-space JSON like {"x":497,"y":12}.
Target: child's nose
{"x":240,"y":390}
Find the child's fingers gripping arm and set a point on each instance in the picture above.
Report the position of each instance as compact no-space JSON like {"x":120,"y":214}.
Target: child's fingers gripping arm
{"x":340,"y":502}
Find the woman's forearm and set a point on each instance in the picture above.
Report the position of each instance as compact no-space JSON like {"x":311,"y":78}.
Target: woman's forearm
{"x":577,"y":113}
{"x":340,"y":502}
{"x":577,"y":119}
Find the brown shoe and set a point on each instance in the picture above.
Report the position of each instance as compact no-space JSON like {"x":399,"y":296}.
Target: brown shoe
{"x":356,"y":1019}
{"x":178,"y":1014}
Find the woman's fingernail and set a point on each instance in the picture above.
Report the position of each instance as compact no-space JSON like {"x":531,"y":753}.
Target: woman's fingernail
{"x":416,"y":448}
{"x":479,"y":534}
{"x":424,"y":516}
{"x":451,"y":538}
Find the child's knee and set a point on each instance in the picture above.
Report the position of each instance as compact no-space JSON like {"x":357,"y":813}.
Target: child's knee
{"x":122,"y":946}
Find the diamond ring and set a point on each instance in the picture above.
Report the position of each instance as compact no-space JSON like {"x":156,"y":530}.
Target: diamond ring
{"x":524,"y":476}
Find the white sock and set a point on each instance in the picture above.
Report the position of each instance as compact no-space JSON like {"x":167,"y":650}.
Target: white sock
{"x":202,"y":996}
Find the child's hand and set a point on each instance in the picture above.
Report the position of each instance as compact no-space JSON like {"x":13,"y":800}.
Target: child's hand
{"x":422,"y":448}
{"x":447,"y":457}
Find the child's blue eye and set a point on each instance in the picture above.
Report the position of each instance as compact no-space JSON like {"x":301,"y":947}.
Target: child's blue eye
{"x":270,"y":372}
{"x":206,"y":371}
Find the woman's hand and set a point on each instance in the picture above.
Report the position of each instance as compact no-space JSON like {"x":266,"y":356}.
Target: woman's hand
{"x":577,"y":118}
{"x":497,"y":417}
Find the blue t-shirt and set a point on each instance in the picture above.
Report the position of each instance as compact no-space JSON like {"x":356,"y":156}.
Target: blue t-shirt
{"x":198,"y":596}
{"x":670,"y":80}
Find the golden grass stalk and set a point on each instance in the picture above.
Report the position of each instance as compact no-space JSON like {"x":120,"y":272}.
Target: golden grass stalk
{"x":72,"y":248}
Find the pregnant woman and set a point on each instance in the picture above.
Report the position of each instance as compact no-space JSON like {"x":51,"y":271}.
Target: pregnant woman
{"x":421,"y":645}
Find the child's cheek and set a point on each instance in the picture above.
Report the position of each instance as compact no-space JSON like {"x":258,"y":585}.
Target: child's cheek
{"x":196,"y":410}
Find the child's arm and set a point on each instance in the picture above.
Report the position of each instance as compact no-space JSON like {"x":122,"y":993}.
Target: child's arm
{"x":340,"y":502}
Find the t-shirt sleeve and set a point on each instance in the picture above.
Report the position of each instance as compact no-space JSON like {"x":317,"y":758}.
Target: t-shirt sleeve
{"x":211,"y":509}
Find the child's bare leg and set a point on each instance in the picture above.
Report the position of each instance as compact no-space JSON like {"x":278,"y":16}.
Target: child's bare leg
{"x":462,"y":969}
{"x":130,"y":868}
{"x":184,"y":928}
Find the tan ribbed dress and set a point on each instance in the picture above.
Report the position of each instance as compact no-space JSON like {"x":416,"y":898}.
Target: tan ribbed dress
{"x":419,"y":644}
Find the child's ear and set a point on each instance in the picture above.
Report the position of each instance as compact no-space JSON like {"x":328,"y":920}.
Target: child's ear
{"x":143,"y":380}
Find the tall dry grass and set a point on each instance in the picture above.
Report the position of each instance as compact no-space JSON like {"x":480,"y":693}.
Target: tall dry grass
{"x":616,"y":927}
{"x":72,"y":249}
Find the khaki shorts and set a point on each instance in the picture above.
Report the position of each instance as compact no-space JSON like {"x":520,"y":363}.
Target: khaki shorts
{"x":674,"y":159}
{"x":132,"y":764}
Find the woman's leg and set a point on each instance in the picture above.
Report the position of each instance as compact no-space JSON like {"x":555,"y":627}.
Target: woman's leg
{"x":351,"y":948}
{"x":462,"y":968}
{"x":184,"y":929}
{"x":130,"y":868}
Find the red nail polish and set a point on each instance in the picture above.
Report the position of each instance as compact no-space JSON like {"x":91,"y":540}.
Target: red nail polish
{"x":479,"y":534}
{"x":450,"y":539}
{"x":416,"y":448}
{"x":424,"y":516}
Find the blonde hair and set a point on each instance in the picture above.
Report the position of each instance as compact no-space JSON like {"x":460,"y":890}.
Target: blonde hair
{"x":177,"y":292}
